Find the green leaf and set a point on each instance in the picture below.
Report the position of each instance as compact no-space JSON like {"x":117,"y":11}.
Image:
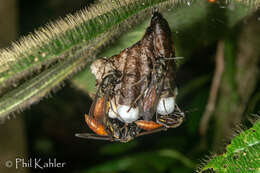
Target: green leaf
{"x":242,"y":155}
{"x":37,"y":87}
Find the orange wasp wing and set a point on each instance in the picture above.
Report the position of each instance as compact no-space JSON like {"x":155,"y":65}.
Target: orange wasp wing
{"x":95,"y":125}
{"x":98,"y":114}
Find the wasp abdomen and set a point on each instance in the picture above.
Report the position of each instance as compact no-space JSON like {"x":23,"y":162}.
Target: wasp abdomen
{"x":147,"y":125}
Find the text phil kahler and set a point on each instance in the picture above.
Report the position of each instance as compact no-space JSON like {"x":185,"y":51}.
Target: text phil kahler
{"x":38,"y":163}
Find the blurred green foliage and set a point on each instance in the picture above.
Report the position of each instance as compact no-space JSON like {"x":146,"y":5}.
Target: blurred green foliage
{"x":156,"y":161}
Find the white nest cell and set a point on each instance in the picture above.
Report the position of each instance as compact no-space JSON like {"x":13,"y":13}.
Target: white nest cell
{"x":127,"y":114}
{"x":165,"y":106}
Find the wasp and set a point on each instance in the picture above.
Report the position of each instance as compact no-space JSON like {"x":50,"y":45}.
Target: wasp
{"x":159,"y":97}
{"x":104,"y":116}
{"x":98,"y":120}
{"x":144,"y":72}
{"x":135,"y":95}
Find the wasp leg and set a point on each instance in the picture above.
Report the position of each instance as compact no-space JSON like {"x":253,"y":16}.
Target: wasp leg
{"x":129,"y":132}
{"x":172,"y":120}
{"x":113,"y":130}
{"x":179,"y":112}
{"x":152,"y":131}
{"x":165,"y":107}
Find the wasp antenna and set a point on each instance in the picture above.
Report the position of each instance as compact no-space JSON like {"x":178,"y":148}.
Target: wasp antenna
{"x":192,"y":110}
{"x":178,"y":57}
